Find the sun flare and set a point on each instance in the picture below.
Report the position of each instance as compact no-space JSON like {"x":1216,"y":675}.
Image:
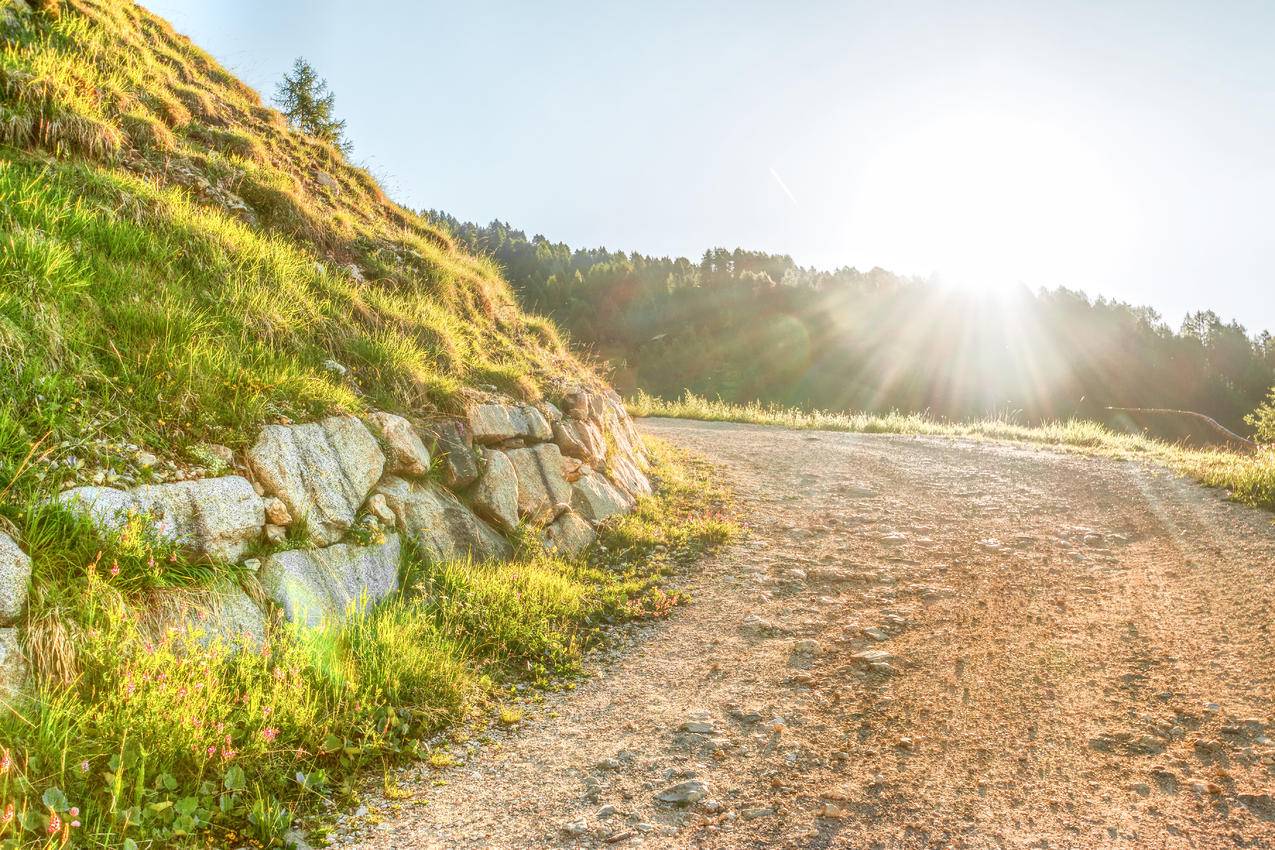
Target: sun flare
{"x":988,"y":201}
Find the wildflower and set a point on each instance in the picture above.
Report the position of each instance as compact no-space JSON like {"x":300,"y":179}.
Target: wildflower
{"x":75,"y":811}
{"x":115,"y":568}
{"x":265,"y":712}
{"x":8,"y":814}
{"x":212,"y":751}
{"x":84,"y":766}
{"x":172,"y":557}
{"x":55,"y":822}
{"x":5,"y":761}
{"x":270,"y":733}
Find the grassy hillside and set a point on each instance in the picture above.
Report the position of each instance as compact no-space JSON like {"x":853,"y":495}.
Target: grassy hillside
{"x":178,"y":265}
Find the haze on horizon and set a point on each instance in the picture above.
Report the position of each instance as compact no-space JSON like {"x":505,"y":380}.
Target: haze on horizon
{"x":1122,"y":149}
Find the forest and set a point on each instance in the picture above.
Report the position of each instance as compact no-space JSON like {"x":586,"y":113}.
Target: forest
{"x":746,"y":325}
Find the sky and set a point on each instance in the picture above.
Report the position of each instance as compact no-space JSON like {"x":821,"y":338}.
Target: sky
{"x":1125,"y":149}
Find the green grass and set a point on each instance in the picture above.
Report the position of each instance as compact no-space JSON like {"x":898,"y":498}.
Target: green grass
{"x":167,"y":742}
{"x":1249,"y":478}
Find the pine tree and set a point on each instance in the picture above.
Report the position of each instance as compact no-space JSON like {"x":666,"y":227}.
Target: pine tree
{"x":305,"y":99}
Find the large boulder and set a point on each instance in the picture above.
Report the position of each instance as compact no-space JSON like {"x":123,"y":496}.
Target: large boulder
{"x":580,"y":439}
{"x":443,"y":527}
{"x":625,"y":474}
{"x":107,"y":507}
{"x":317,"y":585}
{"x":495,"y":423}
{"x":452,"y":441}
{"x":568,"y":535}
{"x":224,"y":614}
{"x":15,"y":579}
{"x":322,"y":471}
{"x":407,"y":453}
{"x":495,"y":496}
{"x":13,"y":663}
{"x":595,"y":498}
{"x":216,"y":517}
{"x":542,"y":488}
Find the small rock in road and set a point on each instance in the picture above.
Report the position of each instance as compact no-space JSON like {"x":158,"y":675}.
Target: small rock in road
{"x":691,"y":791}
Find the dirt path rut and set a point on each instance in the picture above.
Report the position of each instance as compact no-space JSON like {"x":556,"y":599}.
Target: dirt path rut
{"x":919,"y":643}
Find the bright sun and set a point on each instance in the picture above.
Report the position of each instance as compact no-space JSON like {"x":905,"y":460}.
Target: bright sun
{"x":988,"y":201}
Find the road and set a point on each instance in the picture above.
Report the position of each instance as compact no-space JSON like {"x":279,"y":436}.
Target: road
{"x":918,"y":643}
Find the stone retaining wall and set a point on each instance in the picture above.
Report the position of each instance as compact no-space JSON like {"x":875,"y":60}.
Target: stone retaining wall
{"x":455,"y":488}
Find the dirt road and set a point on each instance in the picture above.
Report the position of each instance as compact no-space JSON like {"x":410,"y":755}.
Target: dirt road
{"x":919,"y":643}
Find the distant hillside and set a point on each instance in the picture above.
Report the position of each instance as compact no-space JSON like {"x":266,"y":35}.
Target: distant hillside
{"x":747,"y":325}
{"x":179,"y":265}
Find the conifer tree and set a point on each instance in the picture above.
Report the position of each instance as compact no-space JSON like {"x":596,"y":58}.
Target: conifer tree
{"x":304,"y":97}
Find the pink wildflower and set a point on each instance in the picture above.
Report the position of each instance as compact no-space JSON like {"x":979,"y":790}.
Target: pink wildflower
{"x":8,"y":814}
{"x":270,"y":733}
{"x":115,"y":568}
{"x":5,"y":761}
{"x":55,"y":823}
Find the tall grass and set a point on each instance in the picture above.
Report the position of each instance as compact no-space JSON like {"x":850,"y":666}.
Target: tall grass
{"x":1249,"y":477}
{"x":169,"y":738}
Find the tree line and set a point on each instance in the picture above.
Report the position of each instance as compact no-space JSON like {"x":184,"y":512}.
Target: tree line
{"x":747,"y":325}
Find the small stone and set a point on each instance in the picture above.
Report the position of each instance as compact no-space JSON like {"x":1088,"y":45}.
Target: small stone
{"x":833,"y":811}
{"x":757,"y":624}
{"x":807,"y":647}
{"x":699,"y":722}
{"x":873,"y":656}
{"x":691,"y":791}
{"x":277,"y":512}
{"x":146,"y":460}
{"x":644,"y":827}
{"x":222,"y":453}
{"x":759,"y":812}
{"x":617,"y":837}
{"x":712,"y":806}
{"x":275,"y":534}
{"x":576,"y":827}
{"x":252,"y":565}
{"x":606,"y":811}
{"x":379,"y":508}
{"x":795,"y":574}
{"x":335,"y":368}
